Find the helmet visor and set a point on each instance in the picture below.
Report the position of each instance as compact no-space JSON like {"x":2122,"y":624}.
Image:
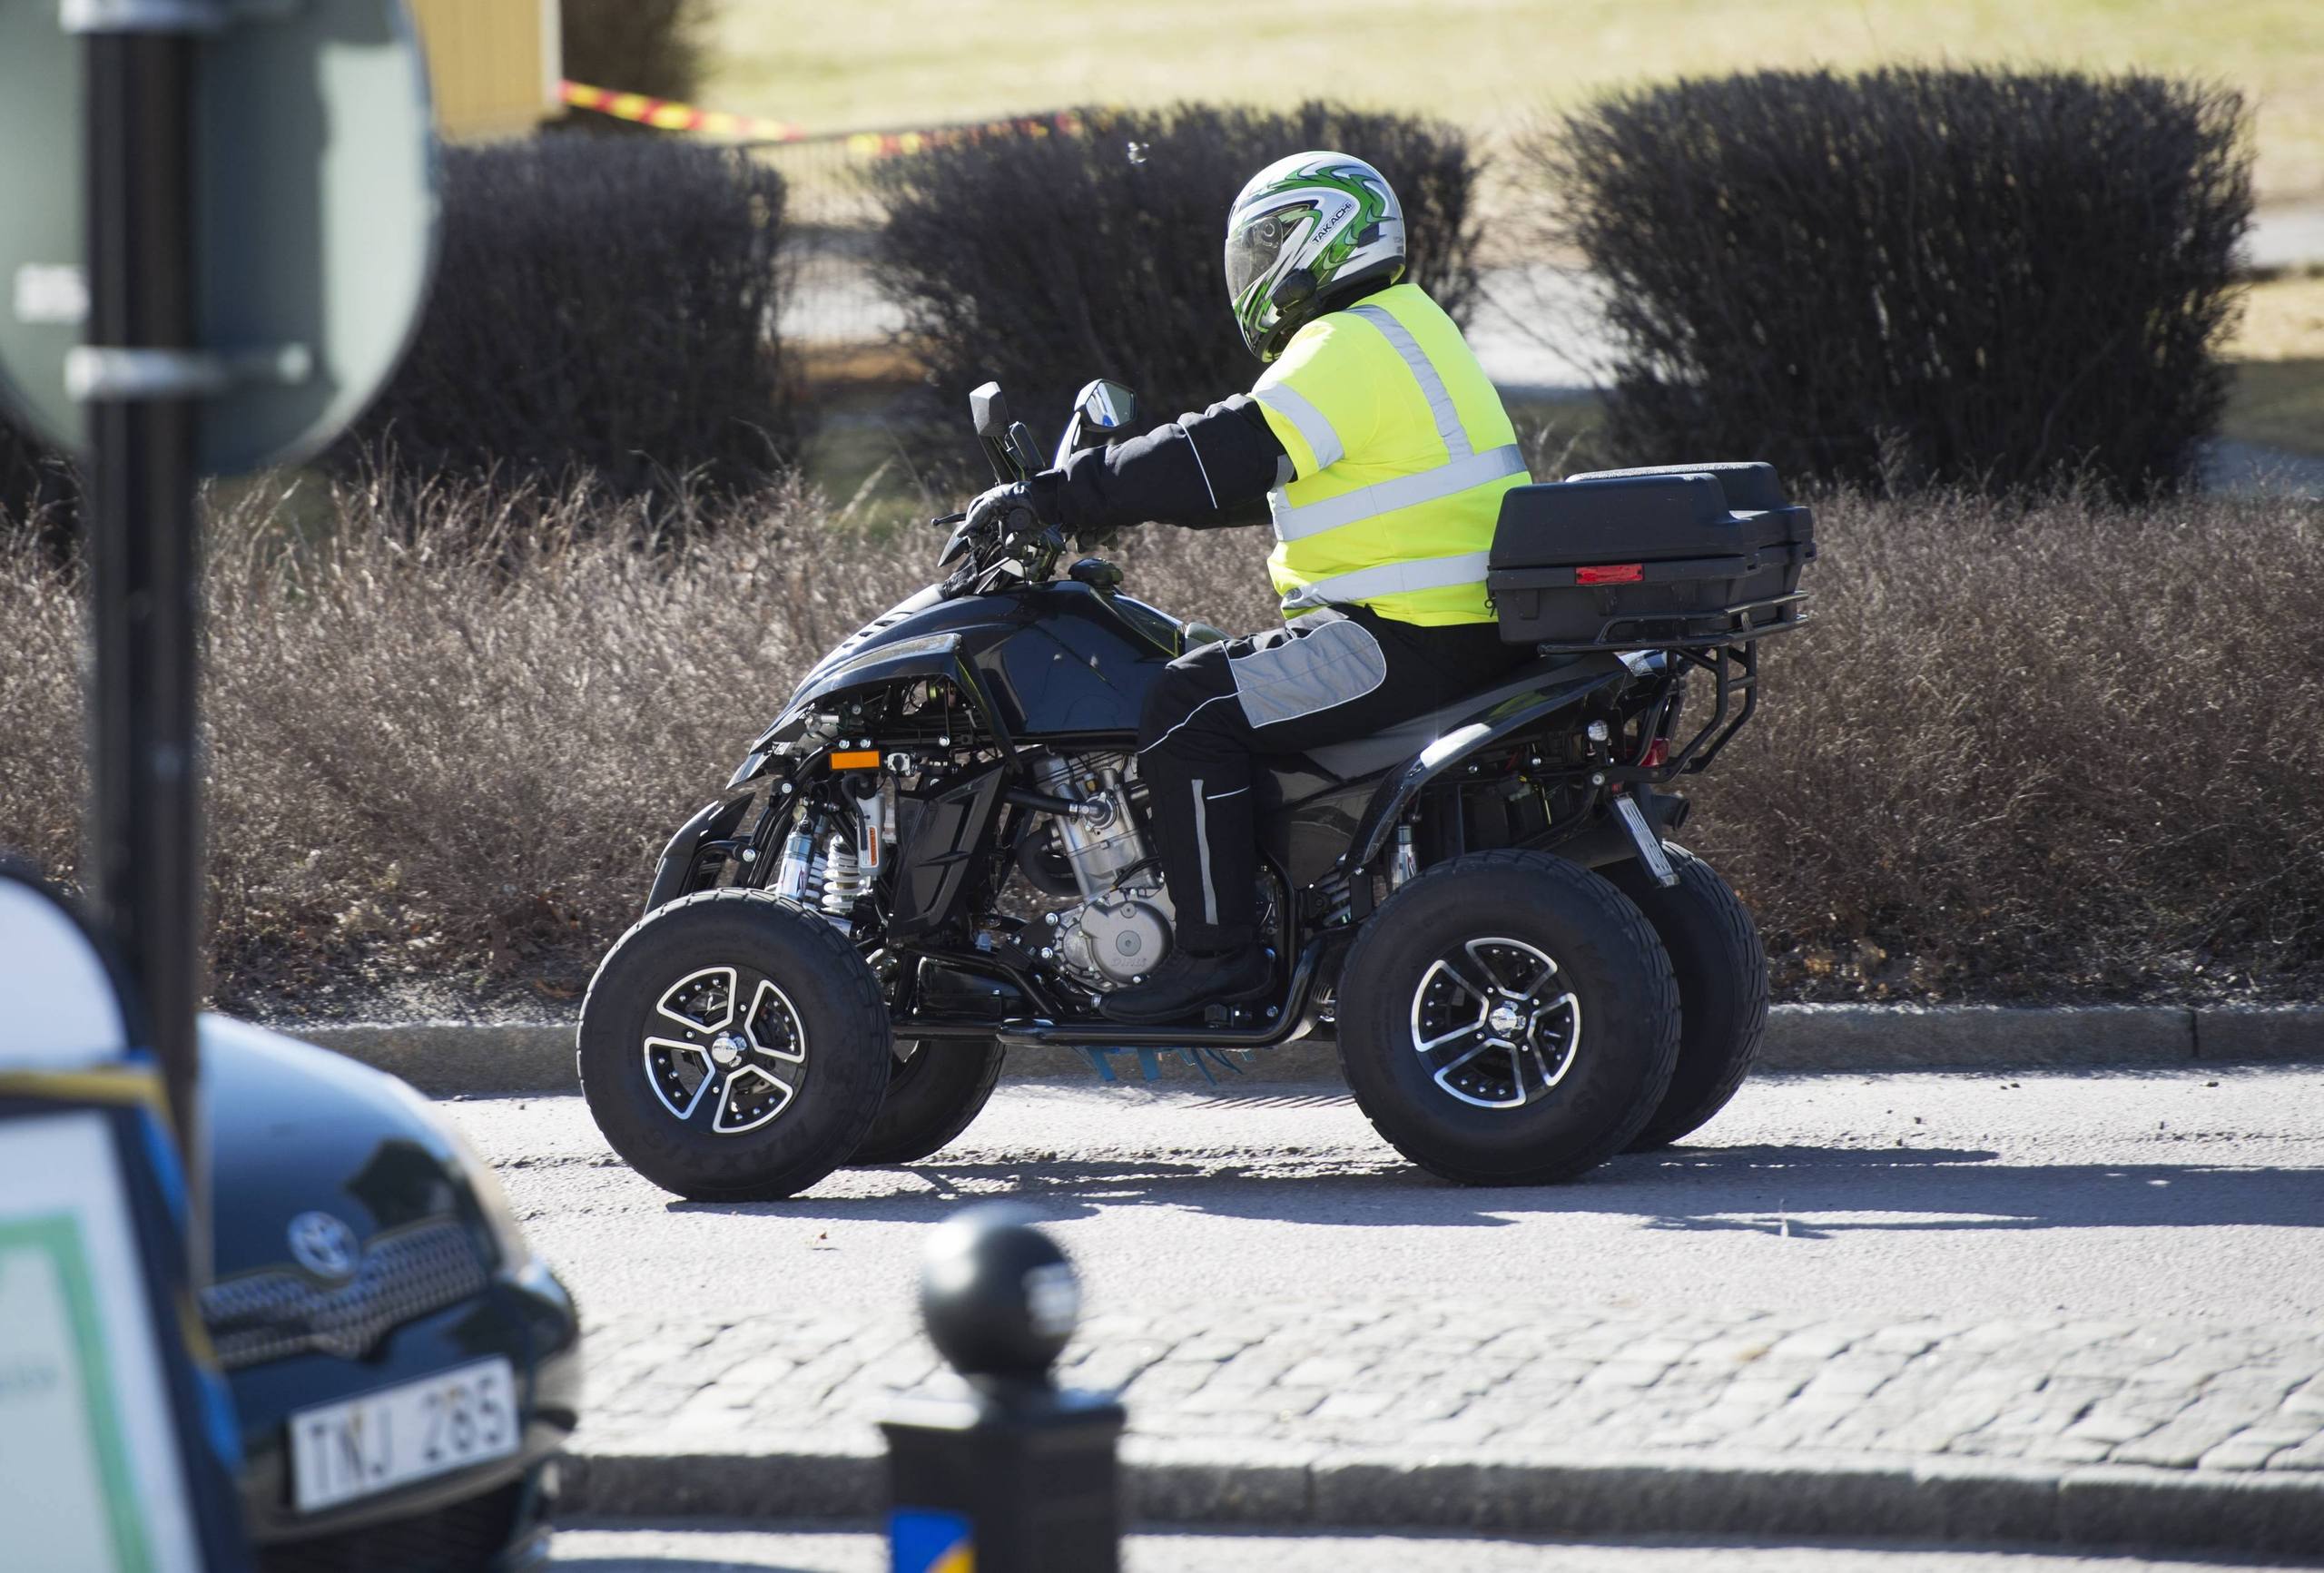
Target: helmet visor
{"x":1254,"y":249}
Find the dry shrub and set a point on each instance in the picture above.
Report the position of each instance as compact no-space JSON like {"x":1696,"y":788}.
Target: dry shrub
{"x":43,"y":771}
{"x":39,"y":486}
{"x":1912,"y":278}
{"x":1046,"y":260}
{"x":447,"y":744}
{"x":2055,"y":753}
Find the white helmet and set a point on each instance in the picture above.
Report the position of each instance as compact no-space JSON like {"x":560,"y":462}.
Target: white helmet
{"x":1308,"y":234}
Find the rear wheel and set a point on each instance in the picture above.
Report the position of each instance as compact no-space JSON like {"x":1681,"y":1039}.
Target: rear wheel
{"x":1722,"y":973}
{"x":1508,"y":1018}
{"x":933,"y":1094}
{"x":733,"y":1047}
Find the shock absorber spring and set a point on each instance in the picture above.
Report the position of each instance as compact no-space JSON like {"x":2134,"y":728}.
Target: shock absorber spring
{"x":843,"y":881}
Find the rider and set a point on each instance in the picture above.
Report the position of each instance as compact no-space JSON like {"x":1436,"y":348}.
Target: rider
{"x":1383,"y":451}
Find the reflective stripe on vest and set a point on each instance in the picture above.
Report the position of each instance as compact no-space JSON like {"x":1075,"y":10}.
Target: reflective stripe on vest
{"x":1390,"y":579}
{"x":1427,"y":485}
{"x":1292,"y":405}
{"x":1439,"y":399}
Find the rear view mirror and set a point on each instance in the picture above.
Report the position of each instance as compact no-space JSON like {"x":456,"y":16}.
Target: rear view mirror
{"x":989,"y":409}
{"x":1102,"y":411}
{"x":1106,"y":407}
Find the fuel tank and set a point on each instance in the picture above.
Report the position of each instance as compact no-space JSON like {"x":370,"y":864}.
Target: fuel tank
{"x":1057,"y":662}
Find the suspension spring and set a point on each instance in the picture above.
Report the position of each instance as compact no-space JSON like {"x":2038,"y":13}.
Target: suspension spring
{"x":843,"y":881}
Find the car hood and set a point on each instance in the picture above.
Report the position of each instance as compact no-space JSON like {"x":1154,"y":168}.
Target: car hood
{"x":296,"y":1129}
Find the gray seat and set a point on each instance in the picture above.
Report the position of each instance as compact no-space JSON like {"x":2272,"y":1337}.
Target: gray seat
{"x":1361,"y":756}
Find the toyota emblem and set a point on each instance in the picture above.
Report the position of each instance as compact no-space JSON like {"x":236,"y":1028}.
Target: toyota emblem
{"x":324,"y":1246}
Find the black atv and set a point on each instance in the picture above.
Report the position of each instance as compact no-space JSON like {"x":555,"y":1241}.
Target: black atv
{"x":940,"y":848}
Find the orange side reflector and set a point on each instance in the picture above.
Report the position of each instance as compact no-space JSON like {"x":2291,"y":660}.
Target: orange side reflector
{"x":855,"y":759}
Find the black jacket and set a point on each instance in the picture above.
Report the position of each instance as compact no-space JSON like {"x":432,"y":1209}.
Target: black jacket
{"x":1202,"y":471}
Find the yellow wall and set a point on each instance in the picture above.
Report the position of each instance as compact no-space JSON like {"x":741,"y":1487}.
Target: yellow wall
{"x":494,"y":63}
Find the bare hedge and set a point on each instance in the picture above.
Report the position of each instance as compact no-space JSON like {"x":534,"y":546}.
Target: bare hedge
{"x":1912,"y":278}
{"x":1046,"y":260}
{"x":38,"y":486}
{"x":2052,"y":754}
{"x":604,"y":305}
{"x":657,"y":47}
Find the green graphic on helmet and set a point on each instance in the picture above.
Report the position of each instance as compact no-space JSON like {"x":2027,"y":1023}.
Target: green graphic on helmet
{"x":1307,"y":235}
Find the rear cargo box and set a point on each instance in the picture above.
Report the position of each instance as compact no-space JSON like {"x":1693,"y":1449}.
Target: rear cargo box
{"x":1690,"y":554}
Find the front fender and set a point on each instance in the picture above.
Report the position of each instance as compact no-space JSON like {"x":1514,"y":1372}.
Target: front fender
{"x":1511,"y":716}
{"x":673,"y":875}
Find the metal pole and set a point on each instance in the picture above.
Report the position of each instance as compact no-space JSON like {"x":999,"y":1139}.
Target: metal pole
{"x":145,"y":861}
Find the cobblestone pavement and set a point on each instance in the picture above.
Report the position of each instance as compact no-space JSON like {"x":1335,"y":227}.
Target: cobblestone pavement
{"x":635,"y":1547}
{"x":1422,"y":1376}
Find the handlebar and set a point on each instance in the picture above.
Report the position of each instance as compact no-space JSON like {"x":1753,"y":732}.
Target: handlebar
{"x":1021,"y":544}
{"x":1102,"y":410}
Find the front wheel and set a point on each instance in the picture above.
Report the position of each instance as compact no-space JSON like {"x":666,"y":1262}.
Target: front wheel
{"x":733,"y":1047}
{"x":1508,"y":1018}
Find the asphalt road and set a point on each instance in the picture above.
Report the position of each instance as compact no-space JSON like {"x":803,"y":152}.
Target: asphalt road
{"x":647,"y":1549}
{"x":2186,"y":1194}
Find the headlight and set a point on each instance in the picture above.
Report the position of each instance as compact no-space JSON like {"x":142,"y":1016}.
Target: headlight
{"x":840,"y":668}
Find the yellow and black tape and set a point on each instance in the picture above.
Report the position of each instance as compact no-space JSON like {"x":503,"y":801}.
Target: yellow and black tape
{"x":664,"y":115}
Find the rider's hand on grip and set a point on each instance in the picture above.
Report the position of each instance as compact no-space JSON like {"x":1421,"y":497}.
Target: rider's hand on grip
{"x":1006,"y":511}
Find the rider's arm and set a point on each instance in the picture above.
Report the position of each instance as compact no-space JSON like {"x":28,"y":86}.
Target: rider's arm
{"x":1201,"y":471}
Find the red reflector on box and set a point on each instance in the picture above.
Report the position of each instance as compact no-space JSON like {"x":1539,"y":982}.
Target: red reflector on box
{"x":1610,"y":574}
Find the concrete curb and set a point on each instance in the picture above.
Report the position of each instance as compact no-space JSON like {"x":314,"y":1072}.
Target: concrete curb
{"x":1854,"y":1497}
{"x":447,"y":1058}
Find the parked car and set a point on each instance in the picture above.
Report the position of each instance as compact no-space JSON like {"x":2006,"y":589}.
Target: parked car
{"x":404,"y":1368}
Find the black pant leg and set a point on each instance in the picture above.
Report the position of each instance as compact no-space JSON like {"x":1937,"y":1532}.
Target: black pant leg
{"x":1195,"y":758}
{"x":1328,"y":676}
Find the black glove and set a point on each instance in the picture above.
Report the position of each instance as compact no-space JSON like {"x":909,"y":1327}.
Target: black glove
{"x":1005,"y":510}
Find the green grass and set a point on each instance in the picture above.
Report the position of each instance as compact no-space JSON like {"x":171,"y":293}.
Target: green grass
{"x":1489,"y":65}
{"x":2279,"y":352}
{"x":2279,"y":404}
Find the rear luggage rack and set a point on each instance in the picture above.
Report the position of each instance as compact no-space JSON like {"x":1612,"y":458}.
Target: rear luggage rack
{"x":1686,"y":556}
{"x":1733,"y":669}
{"x":1690,"y":630}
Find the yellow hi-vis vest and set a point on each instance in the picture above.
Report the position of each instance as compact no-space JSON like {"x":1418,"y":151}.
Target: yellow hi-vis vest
{"x":1400,"y":451}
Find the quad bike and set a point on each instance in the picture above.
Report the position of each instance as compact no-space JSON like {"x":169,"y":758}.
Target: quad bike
{"x":940,"y":849}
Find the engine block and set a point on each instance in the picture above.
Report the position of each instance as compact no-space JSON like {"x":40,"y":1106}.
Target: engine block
{"x":1122,"y":927}
{"x":1117,"y":938}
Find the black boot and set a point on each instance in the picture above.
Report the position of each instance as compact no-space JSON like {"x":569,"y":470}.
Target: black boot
{"x":1185,"y":983}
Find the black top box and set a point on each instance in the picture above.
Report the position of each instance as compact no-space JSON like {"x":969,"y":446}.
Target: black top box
{"x":1680,"y":554}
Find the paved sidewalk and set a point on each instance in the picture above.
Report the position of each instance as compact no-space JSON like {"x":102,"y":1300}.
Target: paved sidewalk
{"x":1420,"y":1413}
{"x":1425,"y":1376}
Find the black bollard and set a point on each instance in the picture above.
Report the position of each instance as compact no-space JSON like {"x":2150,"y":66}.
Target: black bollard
{"x":1003,"y":1473}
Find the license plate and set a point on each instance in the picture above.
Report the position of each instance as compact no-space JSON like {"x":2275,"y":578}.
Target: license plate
{"x":375,"y":1443}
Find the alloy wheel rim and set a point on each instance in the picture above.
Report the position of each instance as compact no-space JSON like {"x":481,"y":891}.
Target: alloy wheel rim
{"x":1494,"y":1023}
{"x":723,"y":1050}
